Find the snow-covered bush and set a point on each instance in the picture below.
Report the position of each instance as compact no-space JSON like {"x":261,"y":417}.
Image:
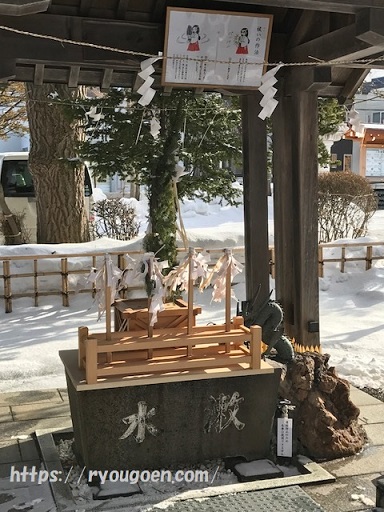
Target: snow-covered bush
{"x":346,"y":203}
{"x":114,"y":218}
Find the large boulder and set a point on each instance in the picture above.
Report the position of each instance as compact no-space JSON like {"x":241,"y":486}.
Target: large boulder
{"x":326,"y":421}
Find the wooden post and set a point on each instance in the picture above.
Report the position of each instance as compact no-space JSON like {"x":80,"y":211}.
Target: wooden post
{"x":107,"y":298}
{"x":190,"y":289}
{"x":228,"y":291}
{"x":64,"y":281}
{"x":342,"y":263}
{"x":272,"y":258}
{"x":150,"y":327}
{"x":295,"y":168}
{"x":368,"y":262}
{"x":91,"y":360}
{"x":7,"y":286}
{"x":321,"y":261}
{"x":255,"y":199}
{"x":35,"y":282}
{"x":255,"y":347}
{"x":94,"y":265}
{"x":82,"y":336}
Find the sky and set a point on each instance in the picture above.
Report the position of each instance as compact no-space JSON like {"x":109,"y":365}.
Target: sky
{"x":351,"y":303}
{"x":374,"y":73}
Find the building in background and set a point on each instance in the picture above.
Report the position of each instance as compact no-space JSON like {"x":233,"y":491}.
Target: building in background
{"x":361,"y":150}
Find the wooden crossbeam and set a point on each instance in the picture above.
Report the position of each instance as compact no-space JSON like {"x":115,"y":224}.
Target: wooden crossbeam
{"x":38,"y":78}
{"x":106,"y":80}
{"x":73,"y":79}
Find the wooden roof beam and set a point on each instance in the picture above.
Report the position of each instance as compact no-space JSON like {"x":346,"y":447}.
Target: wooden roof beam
{"x":353,"y":82}
{"x":308,"y":79}
{"x":339,"y":45}
{"x":303,"y":28}
{"x":121,"y":9}
{"x":158,"y":12}
{"x":7,"y":69}
{"x":85,"y":7}
{"x":342,"y":6}
{"x":139,"y":37}
{"x":23,"y":7}
{"x":370,"y":26}
{"x":106,"y":80}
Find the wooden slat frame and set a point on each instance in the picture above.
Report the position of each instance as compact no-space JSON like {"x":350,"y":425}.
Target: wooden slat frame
{"x":202,"y":350}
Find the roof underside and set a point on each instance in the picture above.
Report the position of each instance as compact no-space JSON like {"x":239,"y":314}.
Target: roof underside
{"x":346,"y":35}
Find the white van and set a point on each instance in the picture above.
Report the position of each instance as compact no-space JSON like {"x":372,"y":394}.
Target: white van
{"x":19,"y":191}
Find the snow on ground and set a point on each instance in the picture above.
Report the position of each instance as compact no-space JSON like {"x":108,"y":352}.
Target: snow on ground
{"x":351,"y":305}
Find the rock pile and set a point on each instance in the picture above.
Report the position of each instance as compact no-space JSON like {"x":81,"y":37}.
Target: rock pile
{"x":326,"y":421}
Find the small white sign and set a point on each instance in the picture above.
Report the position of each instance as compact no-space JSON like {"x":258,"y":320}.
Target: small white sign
{"x":284,"y":437}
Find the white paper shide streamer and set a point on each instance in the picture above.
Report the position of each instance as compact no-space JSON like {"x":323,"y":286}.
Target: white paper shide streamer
{"x":106,"y":277}
{"x":155,"y":127}
{"x":268,"y":102}
{"x":178,"y":279}
{"x":145,"y":90}
{"x":218,"y":276}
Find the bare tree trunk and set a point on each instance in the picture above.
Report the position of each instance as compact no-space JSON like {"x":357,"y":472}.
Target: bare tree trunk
{"x":57,"y":174}
{"x":13,"y":236}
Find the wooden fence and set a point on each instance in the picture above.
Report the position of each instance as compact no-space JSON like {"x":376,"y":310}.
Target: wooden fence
{"x":66,"y":265}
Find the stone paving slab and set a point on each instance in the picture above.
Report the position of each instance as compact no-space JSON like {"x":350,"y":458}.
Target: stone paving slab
{"x":13,"y":429}
{"x":289,"y":499}
{"x":372,"y":413}
{"x":40,"y":411}
{"x":375,"y":433}
{"x":5,"y":414}
{"x":28,"y":449}
{"x":29,"y":397}
{"x":5,"y":471}
{"x":360,"y":398}
{"x":337,"y":496}
{"x":9,"y":451}
{"x":27,"y":497}
{"x":371,"y":460}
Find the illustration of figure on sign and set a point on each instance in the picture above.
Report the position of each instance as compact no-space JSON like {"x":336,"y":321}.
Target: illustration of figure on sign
{"x":242,"y":41}
{"x":193,"y":38}
{"x":223,"y":412}
{"x":140,"y":422}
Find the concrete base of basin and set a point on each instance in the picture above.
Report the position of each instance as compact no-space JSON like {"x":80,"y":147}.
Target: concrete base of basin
{"x":121,"y":425}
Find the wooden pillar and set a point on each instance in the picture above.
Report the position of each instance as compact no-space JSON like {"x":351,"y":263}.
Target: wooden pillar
{"x":284,"y":209}
{"x":296,"y":228}
{"x":255,"y":199}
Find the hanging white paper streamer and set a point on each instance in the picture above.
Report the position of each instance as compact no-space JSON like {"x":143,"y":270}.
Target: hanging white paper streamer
{"x":219,"y":281}
{"x":179,"y":277}
{"x":135,"y":274}
{"x":179,"y":173}
{"x":107,"y":275}
{"x":145,"y":90}
{"x":94,"y":115}
{"x":268,"y":102}
{"x":155,"y":127}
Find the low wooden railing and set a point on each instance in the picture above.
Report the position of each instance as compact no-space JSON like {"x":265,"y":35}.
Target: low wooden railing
{"x":68,"y":265}
{"x":348,"y":254}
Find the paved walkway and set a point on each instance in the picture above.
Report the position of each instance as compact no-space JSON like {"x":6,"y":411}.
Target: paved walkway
{"x":23,"y":413}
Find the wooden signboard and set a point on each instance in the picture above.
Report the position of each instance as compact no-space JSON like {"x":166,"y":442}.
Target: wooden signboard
{"x":375,"y":162}
{"x":215,"y":48}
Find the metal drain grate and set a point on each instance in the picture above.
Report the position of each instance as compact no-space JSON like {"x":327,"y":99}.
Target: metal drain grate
{"x":283,"y":499}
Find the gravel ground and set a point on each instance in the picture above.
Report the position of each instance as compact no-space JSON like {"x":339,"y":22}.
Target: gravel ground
{"x":377,"y":393}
